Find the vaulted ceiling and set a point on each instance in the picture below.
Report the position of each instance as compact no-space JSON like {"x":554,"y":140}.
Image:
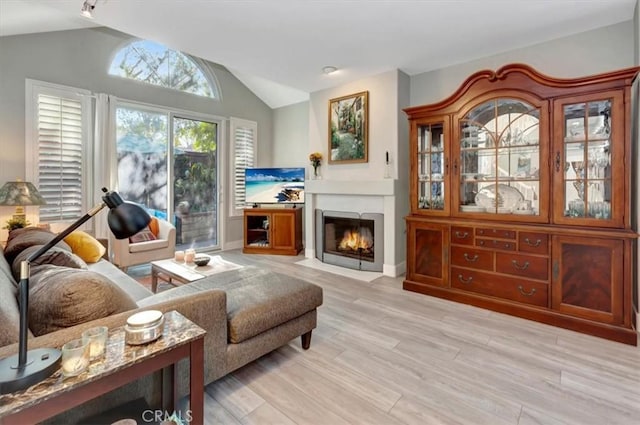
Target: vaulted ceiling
{"x":278,"y":47}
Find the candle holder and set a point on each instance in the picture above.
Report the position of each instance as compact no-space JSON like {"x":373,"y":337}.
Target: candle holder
{"x":75,"y":357}
{"x":97,"y":340}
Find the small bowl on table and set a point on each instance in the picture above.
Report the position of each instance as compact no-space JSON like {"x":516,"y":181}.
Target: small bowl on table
{"x":201,"y":260}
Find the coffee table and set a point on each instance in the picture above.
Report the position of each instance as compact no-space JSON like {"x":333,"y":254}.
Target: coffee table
{"x":179,"y":273}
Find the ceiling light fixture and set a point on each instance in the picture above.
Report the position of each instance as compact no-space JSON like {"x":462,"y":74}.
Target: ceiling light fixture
{"x":87,"y":9}
{"x":329,"y":69}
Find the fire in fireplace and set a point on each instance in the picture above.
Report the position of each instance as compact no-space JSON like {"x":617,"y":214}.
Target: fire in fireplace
{"x":350,"y":239}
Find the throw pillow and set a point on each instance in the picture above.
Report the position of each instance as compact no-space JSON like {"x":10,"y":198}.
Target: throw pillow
{"x":54,"y":256}
{"x":85,"y":246}
{"x":61,"y":297}
{"x":143,"y":235}
{"x":20,"y":239}
{"x":154,"y":226}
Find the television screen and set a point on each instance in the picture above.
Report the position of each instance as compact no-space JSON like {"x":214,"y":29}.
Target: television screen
{"x":274,"y":185}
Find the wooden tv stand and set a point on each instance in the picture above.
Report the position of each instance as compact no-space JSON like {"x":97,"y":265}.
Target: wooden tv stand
{"x":273,"y":231}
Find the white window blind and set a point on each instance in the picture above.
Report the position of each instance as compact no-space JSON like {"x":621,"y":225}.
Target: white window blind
{"x":60,"y":158}
{"x":57,"y":147}
{"x":244,"y":137}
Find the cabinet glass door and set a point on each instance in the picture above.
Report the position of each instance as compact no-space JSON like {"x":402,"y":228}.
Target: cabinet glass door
{"x":587,"y":165}
{"x":431,"y":167}
{"x":499,"y":159}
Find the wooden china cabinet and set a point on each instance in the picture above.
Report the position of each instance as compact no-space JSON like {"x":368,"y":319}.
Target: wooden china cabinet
{"x":521,"y":199}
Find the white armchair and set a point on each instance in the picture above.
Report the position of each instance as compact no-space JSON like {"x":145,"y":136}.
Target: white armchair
{"x":124,"y":253}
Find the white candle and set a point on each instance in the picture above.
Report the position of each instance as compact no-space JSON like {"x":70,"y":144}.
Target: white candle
{"x":74,"y":365}
{"x":96,"y":349}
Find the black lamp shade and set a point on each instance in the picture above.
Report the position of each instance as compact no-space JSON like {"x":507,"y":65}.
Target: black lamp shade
{"x":127,"y":219}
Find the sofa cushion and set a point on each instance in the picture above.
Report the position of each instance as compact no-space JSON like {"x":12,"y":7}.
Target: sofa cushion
{"x":61,"y":297}
{"x":122,"y":280}
{"x":85,"y":246}
{"x":258,"y":300}
{"x":21,"y":239}
{"x":55,"y":256}
{"x":148,"y":245}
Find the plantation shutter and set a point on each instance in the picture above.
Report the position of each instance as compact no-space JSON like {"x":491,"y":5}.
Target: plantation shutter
{"x":59,"y":157}
{"x":244,"y":153}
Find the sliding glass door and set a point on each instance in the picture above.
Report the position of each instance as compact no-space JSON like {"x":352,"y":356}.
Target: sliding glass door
{"x":195,"y":182}
{"x":169,"y":164}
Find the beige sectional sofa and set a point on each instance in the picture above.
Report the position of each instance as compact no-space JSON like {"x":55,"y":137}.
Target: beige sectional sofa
{"x":246,"y":312}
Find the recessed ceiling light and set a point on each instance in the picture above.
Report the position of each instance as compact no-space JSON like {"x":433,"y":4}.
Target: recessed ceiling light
{"x":329,"y":69}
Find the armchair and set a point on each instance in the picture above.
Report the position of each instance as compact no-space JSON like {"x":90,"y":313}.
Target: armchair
{"x":124,"y":253}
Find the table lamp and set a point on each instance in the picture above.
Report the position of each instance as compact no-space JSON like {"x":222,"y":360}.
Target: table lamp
{"x":20,"y":194}
{"x":27,"y":368}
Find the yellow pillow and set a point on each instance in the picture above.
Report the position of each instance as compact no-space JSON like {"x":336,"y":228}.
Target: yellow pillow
{"x":85,"y":246}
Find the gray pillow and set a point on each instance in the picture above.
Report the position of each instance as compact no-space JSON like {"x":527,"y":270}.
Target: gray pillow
{"x":21,"y":239}
{"x":55,"y":256}
{"x":61,"y":297}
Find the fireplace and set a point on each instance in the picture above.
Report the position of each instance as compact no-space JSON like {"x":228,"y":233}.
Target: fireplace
{"x":350,"y":239}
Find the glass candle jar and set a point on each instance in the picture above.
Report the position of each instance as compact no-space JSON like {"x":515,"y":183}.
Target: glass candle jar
{"x":75,"y":357}
{"x":97,"y":340}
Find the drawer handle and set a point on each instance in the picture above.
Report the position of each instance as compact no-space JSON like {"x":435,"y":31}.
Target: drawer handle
{"x":526,"y":294}
{"x":461,"y":235}
{"x":534,"y":245}
{"x":471,"y":259}
{"x":525,"y":266}
{"x":465,"y":281}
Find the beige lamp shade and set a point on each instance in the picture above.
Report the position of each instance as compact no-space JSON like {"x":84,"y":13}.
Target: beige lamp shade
{"x":20,"y":194}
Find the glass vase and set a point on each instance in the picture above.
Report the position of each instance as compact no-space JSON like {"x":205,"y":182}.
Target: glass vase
{"x":316,"y":172}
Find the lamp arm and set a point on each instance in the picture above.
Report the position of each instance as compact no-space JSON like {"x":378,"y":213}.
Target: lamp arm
{"x":24,"y":280}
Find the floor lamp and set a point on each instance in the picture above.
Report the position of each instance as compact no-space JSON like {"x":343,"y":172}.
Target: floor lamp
{"x":27,"y":368}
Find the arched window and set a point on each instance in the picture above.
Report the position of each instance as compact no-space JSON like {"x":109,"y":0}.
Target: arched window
{"x":156,"y":64}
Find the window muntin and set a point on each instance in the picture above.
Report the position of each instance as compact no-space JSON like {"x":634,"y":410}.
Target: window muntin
{"x":155,"y":64}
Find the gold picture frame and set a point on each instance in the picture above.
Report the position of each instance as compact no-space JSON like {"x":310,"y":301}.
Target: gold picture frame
{"x":349,"y":129}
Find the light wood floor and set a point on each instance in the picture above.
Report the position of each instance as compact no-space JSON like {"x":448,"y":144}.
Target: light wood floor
{"x":381,"y":355}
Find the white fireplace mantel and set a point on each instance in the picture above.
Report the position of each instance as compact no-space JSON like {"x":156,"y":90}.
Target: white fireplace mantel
{"x":385,"y":187}
{"x":357,"y":196}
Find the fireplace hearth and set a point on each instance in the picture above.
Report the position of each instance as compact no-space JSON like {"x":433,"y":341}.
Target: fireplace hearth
{"x":350,"y":239}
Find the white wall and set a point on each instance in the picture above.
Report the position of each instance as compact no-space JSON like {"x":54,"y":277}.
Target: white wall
{"x":383,"y":126}
{"x":81,"y":58}
{"x":290,"y":137}
{"x":600,"y":50}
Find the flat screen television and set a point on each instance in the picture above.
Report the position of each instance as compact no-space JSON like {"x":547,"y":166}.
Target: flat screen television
{"x":274,"y":185}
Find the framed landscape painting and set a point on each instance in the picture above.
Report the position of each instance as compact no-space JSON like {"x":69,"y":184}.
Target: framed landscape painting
{"x":349,"y":128}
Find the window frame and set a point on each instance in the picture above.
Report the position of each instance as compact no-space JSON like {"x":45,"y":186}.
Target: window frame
{"x":172,"y":113}
{"x":33,"y":88}
{"x":201,"y":65}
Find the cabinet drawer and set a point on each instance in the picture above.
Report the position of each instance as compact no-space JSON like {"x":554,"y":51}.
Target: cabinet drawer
{"x":473,"y":258}
{"x":537,"y":243}
{"x":496,"y":233}
{"x":462,"y":235}
{"x":521,"y":290}
{"x":523,"y":265}
{"x":496,"y":244}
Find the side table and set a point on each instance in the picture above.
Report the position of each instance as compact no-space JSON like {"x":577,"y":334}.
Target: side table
{"x":122,"y":364}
